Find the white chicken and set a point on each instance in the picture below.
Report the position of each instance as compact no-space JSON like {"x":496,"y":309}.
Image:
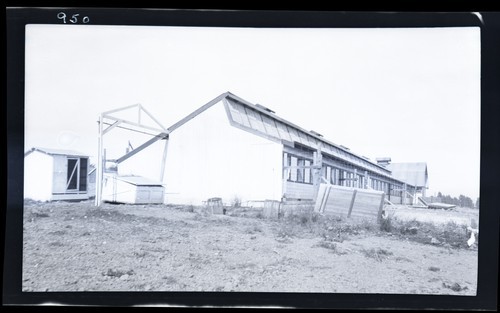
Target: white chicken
{"x":473,"y":233}
{"x":472,"y":239}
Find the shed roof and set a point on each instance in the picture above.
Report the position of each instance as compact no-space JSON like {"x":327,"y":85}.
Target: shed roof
{"x":50,"y":151}
{"x":414,"y":174}
{"x":138,"y":180}
{"x":267,"y":124}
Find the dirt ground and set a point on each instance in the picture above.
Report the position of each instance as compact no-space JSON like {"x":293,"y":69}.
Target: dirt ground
{"x":79,"y":247}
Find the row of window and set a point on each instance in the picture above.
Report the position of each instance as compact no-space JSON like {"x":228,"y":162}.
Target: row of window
{"x":299,"y":175}
{"x":262,"y":123}
{"x":300,"y":171}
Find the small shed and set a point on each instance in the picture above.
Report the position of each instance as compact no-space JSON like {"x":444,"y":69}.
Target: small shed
{"x":131,"y":189}
{"x":54,"y":174}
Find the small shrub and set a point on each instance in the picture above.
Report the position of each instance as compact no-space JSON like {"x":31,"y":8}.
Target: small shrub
{"x":328,"y":245}
{"x":386,"y":224}
{"x":377,"y":254}
{"x":304,"y":219}
{"x":253,"y":229}
{"x":39,"y":214}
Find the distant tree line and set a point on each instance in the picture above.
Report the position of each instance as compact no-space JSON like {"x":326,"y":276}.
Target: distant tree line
{"x":462,"y":201}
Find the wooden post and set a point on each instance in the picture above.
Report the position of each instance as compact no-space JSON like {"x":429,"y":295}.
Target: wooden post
{"x":327,"y":195}
{"x":285,"y":176}
{"x":355,"y":182}
{"x":164,"y":159}
{"x":318,"y":164}
{"x":380,"y":209}
{"x":352,"y":203}
{"x":403,"y":195}
{"x":99,"y":169}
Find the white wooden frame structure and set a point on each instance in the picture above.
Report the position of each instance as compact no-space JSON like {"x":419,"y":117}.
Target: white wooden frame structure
{"x":107,"y":118}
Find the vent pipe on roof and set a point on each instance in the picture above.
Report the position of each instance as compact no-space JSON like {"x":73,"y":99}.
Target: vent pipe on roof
{"x":383,"y":161}
{"x":315,"y":133}
{"x":264,"y":108}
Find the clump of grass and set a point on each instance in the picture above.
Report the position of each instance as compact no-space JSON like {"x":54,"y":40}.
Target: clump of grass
{"x":377,"y":254}
{"x":328,"y":245}
{"x":452,"y":234}
{"x":386,"y":224}
{"x":255,"y":228}
{"x":455,"y":234}
{"x":39,"y":214}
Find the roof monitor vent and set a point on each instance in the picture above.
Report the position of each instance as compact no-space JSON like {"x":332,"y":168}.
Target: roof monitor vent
{"x":315,"y":133}
{"x":264,"y":108}
{"x":383,"y":161}
{"x":344,"y":147}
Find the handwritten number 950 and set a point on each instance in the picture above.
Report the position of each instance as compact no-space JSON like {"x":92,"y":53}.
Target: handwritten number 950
{"x":74,"y":18}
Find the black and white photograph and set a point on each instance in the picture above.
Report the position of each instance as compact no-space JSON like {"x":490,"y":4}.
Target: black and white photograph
{"x":251,"y":159}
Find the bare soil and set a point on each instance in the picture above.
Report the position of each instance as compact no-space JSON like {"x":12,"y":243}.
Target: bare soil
{"x":79,"y":247}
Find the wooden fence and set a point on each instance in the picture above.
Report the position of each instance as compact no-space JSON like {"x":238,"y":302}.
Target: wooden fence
{"x":349,"y":202}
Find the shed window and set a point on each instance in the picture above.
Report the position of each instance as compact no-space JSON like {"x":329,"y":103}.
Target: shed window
{"x":72,"y":174}
{"x":83,"y":174}
{"x":76,"y":176}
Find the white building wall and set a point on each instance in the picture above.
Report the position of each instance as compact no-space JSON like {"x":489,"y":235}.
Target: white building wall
{"x":38,"y":168}
{"x":115,"y":190}
{"x":60,"y":173}
{"x":207,"y":157}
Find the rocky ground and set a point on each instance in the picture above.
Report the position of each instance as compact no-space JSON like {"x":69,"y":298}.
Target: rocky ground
{"x":79,"y":247}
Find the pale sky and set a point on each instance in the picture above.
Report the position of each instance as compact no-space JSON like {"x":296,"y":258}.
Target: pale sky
{"x":406,"y":93}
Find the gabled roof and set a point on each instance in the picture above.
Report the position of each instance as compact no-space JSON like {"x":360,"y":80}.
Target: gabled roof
{"x":414,"y":174}
{"x":56,"y":152}
{"x":266,"y":123}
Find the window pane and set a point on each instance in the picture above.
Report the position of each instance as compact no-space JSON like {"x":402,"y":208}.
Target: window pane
{"x":243,"y":115}
{"x":293,"y":134}
{"x":235,"y":114}
{"x":307,"y":172}
{"x":293,"y":171}
{"x":83,"y":174}
{"x":255,"y":120}
{"x":270,"y":126}
{"x":300,"y":171}
{"x":72,"y":174}
{"x":283,"y":132}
